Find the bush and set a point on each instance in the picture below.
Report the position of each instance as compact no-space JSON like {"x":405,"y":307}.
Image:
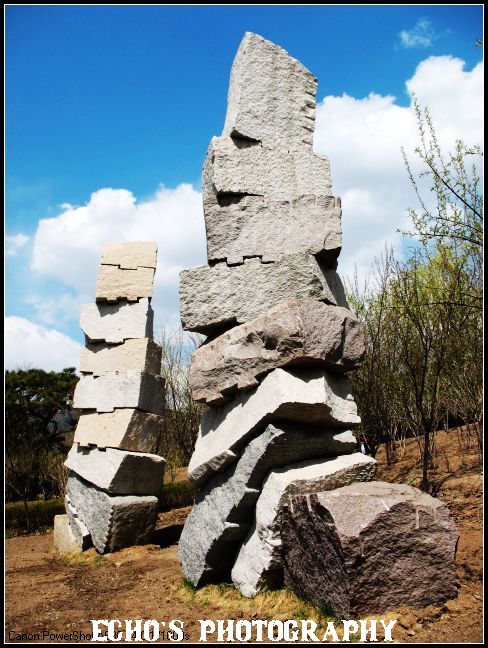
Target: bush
{"x":41,"y":514}
{"x":176,"y":495}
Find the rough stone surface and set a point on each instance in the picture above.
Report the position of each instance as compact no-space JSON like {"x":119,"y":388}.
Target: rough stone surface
{"x":130,"y":255}
{"x":78,"y":528}
{"x":126,"y":429}
{"x":114,"y":283}
{"x":271,"y":96}
{"x":133,"y":388}
{"x":114,"y":521}
{"x":143,"y":354}
{"x":240,"y":226}
{"x":117,"y":471}
{"x":292,"y":333}
{"x":312,"y":395}
{"x":233,"y":167}
{"x":369,"y":548}
{"x":64,"y":539}
{"x":114,"y":323}
{"x":218,"y":297}
{"x":224,"y":507}
{"x":259,"y":562}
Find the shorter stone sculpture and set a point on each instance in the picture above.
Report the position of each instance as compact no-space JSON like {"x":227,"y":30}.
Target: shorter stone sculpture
{"x":114,"y":478}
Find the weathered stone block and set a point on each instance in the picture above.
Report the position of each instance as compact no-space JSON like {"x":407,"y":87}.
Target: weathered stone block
{"x":133,"y":388}
{"x":78,"y":529}
{"x":130,"y":255}
{"x":126,"y":429}
{"x":292,"y":333}
{"x":369,"y":548}
{"x":117,"y":471}
{"x":114,"y":323}
{"x":114,"y":521}
{"x":312,"y":395}
{"x":143,"y":353}
{"x":114,"y":284}
{"x":64,"y":539}
{"x":259,"y":562}
{"x":233,"y":167}
{"x":224,"y":506}
{"x":218,"y":297}
{"x":241,"y":225}
{"x":271,"y":96}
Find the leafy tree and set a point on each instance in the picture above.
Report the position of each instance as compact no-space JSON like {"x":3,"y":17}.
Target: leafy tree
{"x":32,"y":399}
{"x":423,"y":316}
{"x":451,"y":213}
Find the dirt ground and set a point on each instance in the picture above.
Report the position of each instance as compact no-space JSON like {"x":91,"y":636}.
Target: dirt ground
{"x":48,"y":596}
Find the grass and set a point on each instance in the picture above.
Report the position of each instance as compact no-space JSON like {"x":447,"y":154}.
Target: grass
{"x":89,"y":558}
{"x":176,"y":495}
{"x":276,"y":604}
{"x":41,"y":514}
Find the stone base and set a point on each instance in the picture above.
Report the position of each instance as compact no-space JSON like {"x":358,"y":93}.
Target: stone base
{"x":64,"y":539}
{"x":259,"y":563}
{"x":224,"y":507}
{"x":114,"y":521}
{"x":369,"y":548}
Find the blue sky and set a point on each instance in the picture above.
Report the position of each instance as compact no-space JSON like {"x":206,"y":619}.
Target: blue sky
{"x":127,"y":98}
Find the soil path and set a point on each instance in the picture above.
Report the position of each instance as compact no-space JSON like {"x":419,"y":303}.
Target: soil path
{"x":48,"y":596}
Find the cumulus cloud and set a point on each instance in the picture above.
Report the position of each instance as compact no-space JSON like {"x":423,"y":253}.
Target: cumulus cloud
{"x":361,"y":137}
{"x":15,"y":242}
{"x":363,"y":140}
{"x":422,"y":35}
{"x":30,"y":346}
{"x":67,"y":247}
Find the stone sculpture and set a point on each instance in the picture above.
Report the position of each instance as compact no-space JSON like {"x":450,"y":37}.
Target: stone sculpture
{"x":280,"y":333}
{"x":115,"y":480}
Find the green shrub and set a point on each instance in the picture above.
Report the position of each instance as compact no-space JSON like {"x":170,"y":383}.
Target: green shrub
{"x":176,"y":495}
{"x":41,"y":514}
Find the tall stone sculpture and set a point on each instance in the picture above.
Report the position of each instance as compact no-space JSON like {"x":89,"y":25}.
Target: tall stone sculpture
{"x":115,"y":478}
{"x":280,"y":334}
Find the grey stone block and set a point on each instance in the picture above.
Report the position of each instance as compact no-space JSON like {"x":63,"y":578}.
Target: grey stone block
{"x":369,"y":548}
{"x":126,"y":429}
{"x":292,"y":333}
{"x":241,"y":225}
{"x":311,"y":395}
{"x":118,"y":472}
{"x":224,"y":506}
{"x":253,"y":169}
{"x":114,"y":323}
{"x":78,"y":529}
{"x":259,"y":562}
{"x":143,"y":354}
{"x":218,"y":297}
{"x":114,"y":521}
{"x":271,"y":96}
{"x":133,"y":388}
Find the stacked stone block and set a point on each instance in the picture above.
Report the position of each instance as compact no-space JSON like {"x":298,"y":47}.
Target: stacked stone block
{"x":115,"y":479}
{"x":281,"y":337}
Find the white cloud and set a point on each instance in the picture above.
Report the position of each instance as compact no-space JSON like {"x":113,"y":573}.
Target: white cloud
{"x":14,"y":242}
{"x":28,"y":345}
{"x":363,"y":138}
{"x":67,"y":247}
{"x":422,"y":35}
